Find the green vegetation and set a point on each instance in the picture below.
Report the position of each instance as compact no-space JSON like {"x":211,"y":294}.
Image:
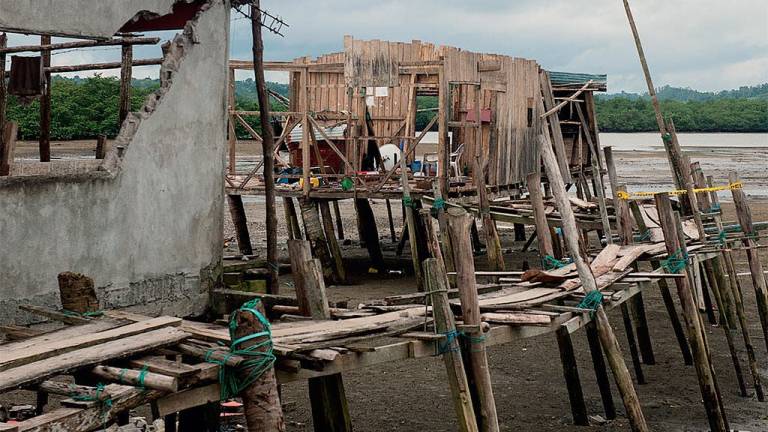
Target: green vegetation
{"x":742,"y":110}
{"x":82,"y":108}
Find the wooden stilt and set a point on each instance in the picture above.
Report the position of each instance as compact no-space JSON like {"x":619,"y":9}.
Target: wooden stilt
{"x":239,"y":220}
{"x":330,"y":410}
{"x":477,"y":245}
{"x":8,"y":134}
{"x":753,"y":255}
{"x":316,"y":235}
{"x":601,"y":371}
{"x":707,"y":380}
{"x":445,"y":238}
{"x":703,"y":284}
{"x":101,"y":146}
{"x":596,"y":175}
{"x":607,"y":336}
{"x":401,"y":242}
{"x":628,"y":327}
{"x":533,"y":181}
{"x":339,"y":222}
{"x":437,"y":286}
{"x":674,"y":319}
{"x":392,"y":234}
{"x":126,"y":68}
{"x":5,"y":154}
{"x":519,"y":232}
{"x":291,"y":219}
{"x":571,"y":375}
{"x":333,"y":245}
{"x":45,"y":106}
{"x":408,"y":201}
{"x":637,"y":309}
{"x":369,"y":233}
{"x":459,"y":224}
{"x":613,"y":180}
{"x":492,"y":242}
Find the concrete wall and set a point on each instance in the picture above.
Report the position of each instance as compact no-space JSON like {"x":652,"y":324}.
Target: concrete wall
{"x":147,"y":225}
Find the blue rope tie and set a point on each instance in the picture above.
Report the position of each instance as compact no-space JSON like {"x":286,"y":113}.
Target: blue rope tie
{"x":646,"y":235}
{"x":675,"y":262}
{"x":450,"y":344}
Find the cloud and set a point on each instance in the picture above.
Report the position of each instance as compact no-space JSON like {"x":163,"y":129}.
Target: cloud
{"x":703,"y":44}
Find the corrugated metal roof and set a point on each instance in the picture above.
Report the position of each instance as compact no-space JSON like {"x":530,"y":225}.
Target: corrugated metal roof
{"x":335,"y":132}
{"x":566,"y":78}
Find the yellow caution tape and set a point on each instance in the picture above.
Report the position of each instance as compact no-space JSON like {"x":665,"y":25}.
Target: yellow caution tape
{"x":625,"y":195}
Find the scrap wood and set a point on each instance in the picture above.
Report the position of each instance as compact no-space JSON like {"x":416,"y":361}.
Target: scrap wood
{"x":630,"y":254}
{"x":60,"y":345}
{"x":53,"y":314}
{"x":41,"y":370}
{"x":580,"y":203}
{"x":516,"y":318}
{"x":602,"y":263}
{"x":56,"y":335}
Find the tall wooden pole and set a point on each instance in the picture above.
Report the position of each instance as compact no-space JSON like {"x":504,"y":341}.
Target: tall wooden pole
{"x":539,"y":215}
{"x":45,"y":106}
{"x":267,"y":146}
{"x":3,"y":43}
{"x":607,"y":337}
{"x":459,"y":223}
{"x":707,"y":381}
{"x":126,"y":62}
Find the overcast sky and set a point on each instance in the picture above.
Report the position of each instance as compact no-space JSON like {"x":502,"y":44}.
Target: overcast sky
{"x":702,"y":44}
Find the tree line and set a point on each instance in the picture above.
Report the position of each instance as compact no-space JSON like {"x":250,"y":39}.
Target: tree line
{"x":82,"y":108}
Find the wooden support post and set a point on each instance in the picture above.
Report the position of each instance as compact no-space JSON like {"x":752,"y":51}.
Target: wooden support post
{"x":239,"y":220}
{"x":7,"y":143}
{"x":330,"y":411}
{"x":316,"y":235}
{"x":408,"y":202}
{"x":437,"y":285}
{"x":492,"y":242}
{"x":597,"y":177}
{"x":607,"y":337}
{"x":445,"y":238}
{"x":443,"y":142}
{"x":369,"y":233}
{"x":459,"y":223}
{"x":392,"y":234}
{"x":477,"y":245}
{"x":601,"y":372}
{"x":744,"y":215}
{"x":126,"y":69}
{"x":707,"y":379}
{"x":673,"y":317}
{"x":267,"y":148}
{"x":339,"y":222}
{"x":637,"y":308}
{"x":614,"y":182}
{"x":261,"y":400}
{"x":571,"y":375}
{"x":231,"y":134}
{"x":4,"y":160}
{"x":202,"y":418}
{"x":45,"y":106}
{"x":291,"y":219}
{"x":333,"y":245}
{"x":101,"y":146}
{"x":539,"y":215}
{"x":629,"y":329}
{"x":519,"y":232}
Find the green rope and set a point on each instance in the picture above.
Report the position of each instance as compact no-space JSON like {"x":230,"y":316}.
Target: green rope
{"x":121,"y":375}
{"x":646,"y":235}
{"x":437,"y":205}
{"x":721,"y":238}
{"x":676,"y":262}
{"x":106,"y":404}
{"x":714,"y":208}
{"x":408,"y":202}
{"x":667,"y":137}
{"x":550,"y":263}
{"x":592,"y":301}
{"x":450,"y":345}
{"x":142,"y":375}
{"x":347,"y":184}
{"x":256,"y":361}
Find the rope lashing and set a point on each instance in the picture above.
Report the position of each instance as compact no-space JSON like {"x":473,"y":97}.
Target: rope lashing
{"x":667,"y":137}
{"x":591,"y":301}
{"x":646,"y":235}
{"x":721,"y":238}
{"x":106,"y":404}
{"x":675,"y":262}
{"x":408,"y":202}
{"x":347,"y":184}
{"x":256,"y":361}
{"x":142,"y":376}
{"x":450,"y":344}
{"x":730,"y":186}
{"x":550,"y":263}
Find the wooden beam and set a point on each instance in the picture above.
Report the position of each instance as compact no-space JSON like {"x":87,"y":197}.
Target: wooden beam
{"x":571,"y":375}
{"x":43,"y":47}
{"x":126,"y":70}
{"x":240,"y":221}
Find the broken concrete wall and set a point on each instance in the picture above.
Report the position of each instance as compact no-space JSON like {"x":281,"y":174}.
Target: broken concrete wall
{"x":147,"y":225}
